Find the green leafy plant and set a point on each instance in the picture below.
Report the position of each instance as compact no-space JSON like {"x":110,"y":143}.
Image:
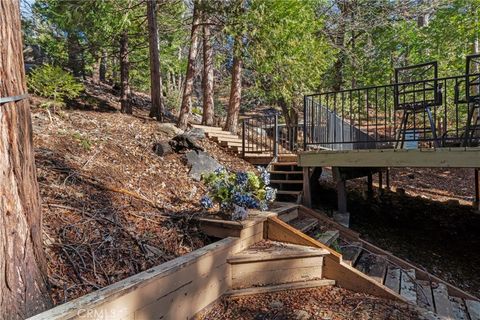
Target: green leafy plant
{"x":85,"y":143}
{"x":235,"y":192}
{"x":54,"y":83}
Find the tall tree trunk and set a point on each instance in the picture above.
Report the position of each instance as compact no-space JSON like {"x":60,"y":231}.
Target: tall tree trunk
{"x":156,"y":110}
{"x":208,"y":103}
{"x":126,"y":107}
{"x":75,"y":59}
{"x":103,"y":66}
{"x":186,"y":106}
{"x":23,"y":267}
{"x":235,"y":90}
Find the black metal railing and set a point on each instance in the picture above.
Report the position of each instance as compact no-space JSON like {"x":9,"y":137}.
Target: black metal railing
{"x":424,"y":113}
{"x":264,"y":134}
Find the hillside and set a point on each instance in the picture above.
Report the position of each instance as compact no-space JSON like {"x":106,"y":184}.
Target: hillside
{"x":111,"y":206}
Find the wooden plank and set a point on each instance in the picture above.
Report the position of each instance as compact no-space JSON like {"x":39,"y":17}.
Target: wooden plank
{"x":280,"y":251}
{"x":459,"y":309}
{"x":304,"y":224}
{"x":424,"y":295}
{"x":328,"y":237}
{"x":473,"y":308}
{"x":440,"y":157}
{"x":372,"y":265}
{"x":280,"y":287}
{"x":443,"y":306}
{"x":351,"y":252}
{"x":277,"y":276}
{"x":392,"y":278}
{"x":407,"y":285}
{"x":288,"y":215}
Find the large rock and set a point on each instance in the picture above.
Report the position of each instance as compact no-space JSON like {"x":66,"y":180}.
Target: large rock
{"x":184,"y":142}
{"x":162,"y":148}
{"x":200,"y":163}
{"x":169,"y":129}
{"x":196,"y":133}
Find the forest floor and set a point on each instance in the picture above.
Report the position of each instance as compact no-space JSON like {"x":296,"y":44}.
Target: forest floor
{"x":332,"y":303}
{"x":111,"y":206}
{"x":423,"y":226}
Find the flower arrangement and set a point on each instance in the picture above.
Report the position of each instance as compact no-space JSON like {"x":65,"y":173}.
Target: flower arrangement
{"x":235,"y":192}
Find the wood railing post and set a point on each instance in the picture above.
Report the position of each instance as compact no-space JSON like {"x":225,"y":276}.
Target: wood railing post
{"x":275,"y":136}
{"x":305,"y":123}
{"x":243,"y":138}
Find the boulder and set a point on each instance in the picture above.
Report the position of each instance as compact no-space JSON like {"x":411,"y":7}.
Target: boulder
{"x":196,"y":133}
{"x":184,"y":142}
{"x":162,"y":148}
{"x":200,"y":163}
{"x":169,"y":129}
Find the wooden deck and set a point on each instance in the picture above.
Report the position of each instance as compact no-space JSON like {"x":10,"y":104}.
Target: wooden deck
{"x":432,"y":158}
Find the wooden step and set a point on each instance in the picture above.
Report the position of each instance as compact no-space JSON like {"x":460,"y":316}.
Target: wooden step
{"x":230,"y":143}
{"x":424,"y":295}
{"x":304,"y":224}
{"x":351,"y":252}
{"x":372,"y":265}
{"x":458,"y":309}
{"x":328,"y":237}
{"x":284,"y":163}
{"x":281,"y":287}
{"x":274,"y":263}
{"x":392,"y":278}
{"x":443,"y":307}
{"x":218,"y":134}
{"x":288,"y":192}
{"x":287,"y":211}
{"x":407,"y":285}
{"x":285,"y":172}
{"x":207,"y":128}
{"x":227,"y":139}
{"x":287,"y":181}
{"x":473,"y":308}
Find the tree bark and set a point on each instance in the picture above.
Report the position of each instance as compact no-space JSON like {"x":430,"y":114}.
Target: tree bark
{"x":235,"y":90}
{"x":157,"y":108}
{"x":186,"y":107}
{"x":103,"y":67}
{"x":208,"y":102}
{"x":75,"y":59}
{"x":126,"y":107}
{"x":23,"y":267}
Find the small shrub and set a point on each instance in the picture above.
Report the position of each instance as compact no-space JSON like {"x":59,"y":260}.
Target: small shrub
{"x":197,"y":111}
{"x":54,"y":83}
{"x":85,"y":143}
{"x":237,"y":192}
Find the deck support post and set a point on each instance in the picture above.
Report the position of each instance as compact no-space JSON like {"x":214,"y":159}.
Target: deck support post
{"x":476,"y":204}
{"x":387,"y":178}
{"x":380,"y":181}
{"x":341,"y":216}
{"x":370,"y":186}
{"x":307,"y":193}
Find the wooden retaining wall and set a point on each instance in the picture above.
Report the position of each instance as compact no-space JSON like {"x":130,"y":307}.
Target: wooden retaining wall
{"x":177,"y":289}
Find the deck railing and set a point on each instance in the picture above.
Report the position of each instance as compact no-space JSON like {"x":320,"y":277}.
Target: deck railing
{"x":264,"y":134}
{"x":426,"y":113}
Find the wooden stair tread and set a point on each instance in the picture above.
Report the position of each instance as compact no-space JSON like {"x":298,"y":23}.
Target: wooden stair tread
{"x":304,"y":224}
{"x":458,"y":309}
{"x":328,"y":237}
{"x":285,"y":172}
{"x":207,"y":128}
{"x":424,"y":295}
{"x":442,"y":302}
{"x":287,"y":181}
{"x":289,"y":192}
{"x":407,"y":285}
{"x":287,"y":211}
{"x":372,"y":265}
{"x":281,"y":287}
{"x":277,"y":251}
{"x":285,"y":163}
{"x":392,"y":278}
{"x":351,"y":252}
{"x":473,"y":308}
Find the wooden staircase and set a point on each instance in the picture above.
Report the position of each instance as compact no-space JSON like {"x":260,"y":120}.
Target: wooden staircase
{"x":233,"y":143}
{"x":437,"y":299}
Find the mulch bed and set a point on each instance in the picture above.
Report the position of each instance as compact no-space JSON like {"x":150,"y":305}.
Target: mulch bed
{"x":332,"y":303}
